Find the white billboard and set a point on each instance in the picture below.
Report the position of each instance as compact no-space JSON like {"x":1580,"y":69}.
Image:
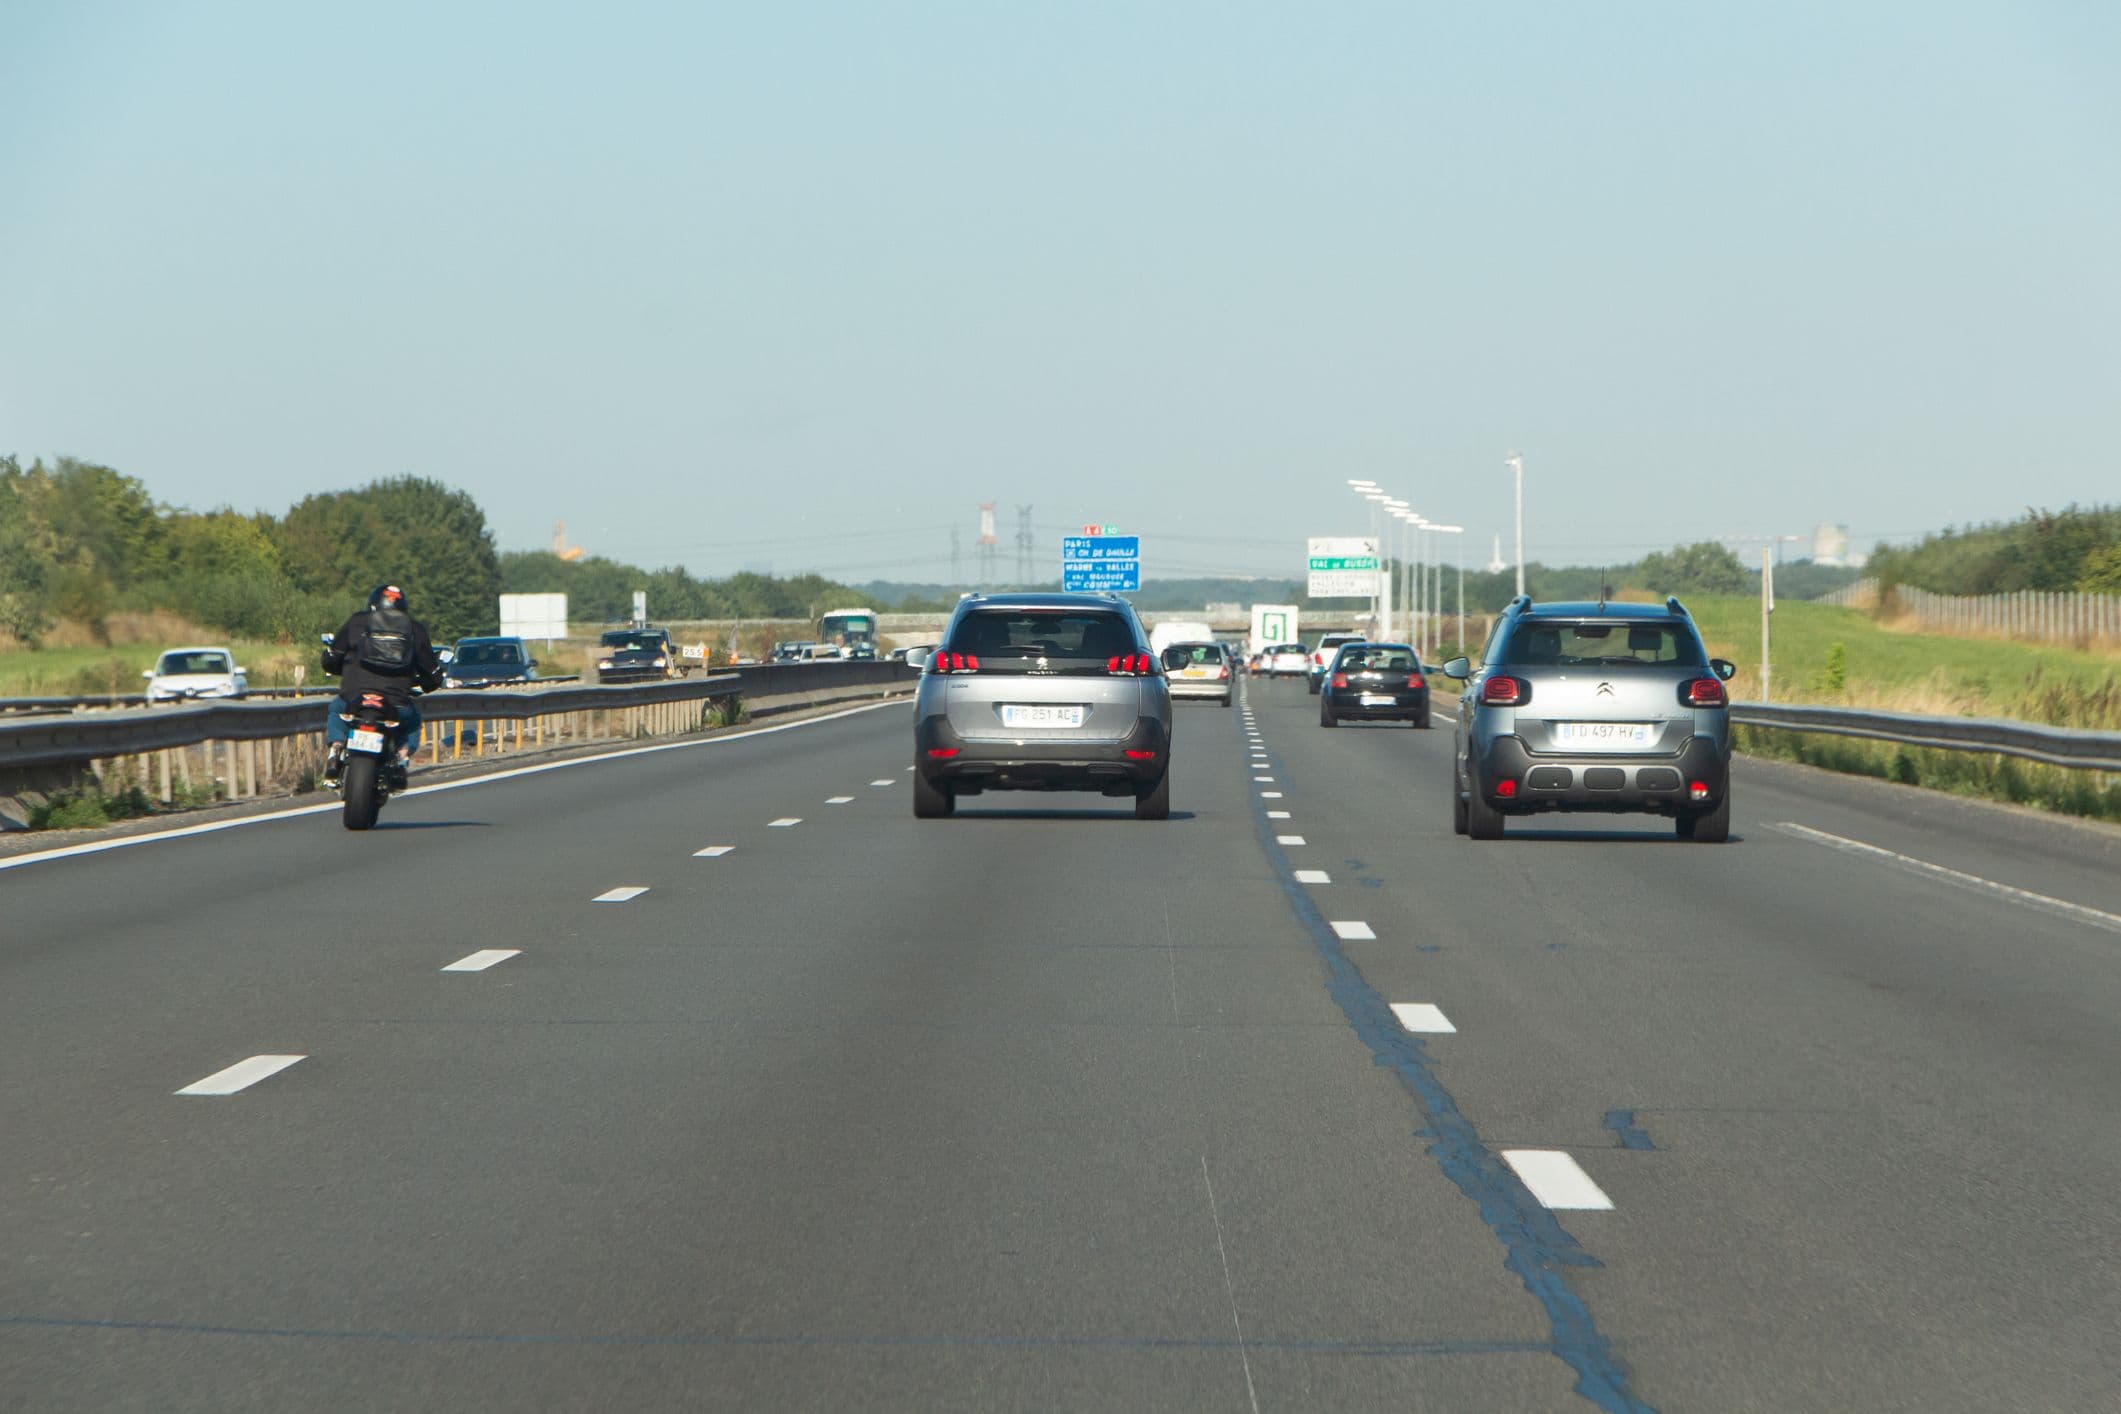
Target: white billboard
{"x":1343,"y":567}
{"x":534,"y":616}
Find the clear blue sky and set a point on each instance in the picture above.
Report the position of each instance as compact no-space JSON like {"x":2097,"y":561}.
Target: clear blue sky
{"x":799,"y":284}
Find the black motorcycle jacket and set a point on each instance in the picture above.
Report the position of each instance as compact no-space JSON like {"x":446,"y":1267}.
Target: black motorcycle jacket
{"x":351,"y":656}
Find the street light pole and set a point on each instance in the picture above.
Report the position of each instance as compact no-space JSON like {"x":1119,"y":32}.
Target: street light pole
{"x":1438,"y":596}
{"x":1516,"y":461}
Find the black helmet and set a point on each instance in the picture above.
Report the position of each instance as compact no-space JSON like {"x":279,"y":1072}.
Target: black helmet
{"x":388,"y":596}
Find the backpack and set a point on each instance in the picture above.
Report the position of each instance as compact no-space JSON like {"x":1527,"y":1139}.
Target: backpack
{"x":388,"y":647}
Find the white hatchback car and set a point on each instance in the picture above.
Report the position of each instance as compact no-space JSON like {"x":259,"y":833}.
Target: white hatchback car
{"x":184,"y":673}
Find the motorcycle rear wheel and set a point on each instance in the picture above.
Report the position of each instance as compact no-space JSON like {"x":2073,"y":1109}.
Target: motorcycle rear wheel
{"x":362,"y":789}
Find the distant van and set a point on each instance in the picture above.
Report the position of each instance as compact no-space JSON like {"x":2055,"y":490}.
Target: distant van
{"x":1164,"y":635}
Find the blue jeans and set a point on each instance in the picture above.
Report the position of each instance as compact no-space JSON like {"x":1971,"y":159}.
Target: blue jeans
{"x":337,"y":729}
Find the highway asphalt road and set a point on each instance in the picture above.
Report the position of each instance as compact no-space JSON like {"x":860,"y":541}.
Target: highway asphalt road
{"x":1045,"y":1107}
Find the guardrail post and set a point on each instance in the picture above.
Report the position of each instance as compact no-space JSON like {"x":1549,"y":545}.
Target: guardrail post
{"x":162,"y":775}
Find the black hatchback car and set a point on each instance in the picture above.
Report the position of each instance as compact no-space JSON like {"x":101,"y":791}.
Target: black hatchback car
{"x":481,"y":662}
{"x":1373,"y":682}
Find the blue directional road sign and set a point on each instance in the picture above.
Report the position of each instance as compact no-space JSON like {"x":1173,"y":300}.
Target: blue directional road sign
{"x":1092,"y":564}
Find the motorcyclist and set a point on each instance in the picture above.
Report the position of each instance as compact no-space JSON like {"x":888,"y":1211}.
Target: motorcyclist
{"x":381,"y":649}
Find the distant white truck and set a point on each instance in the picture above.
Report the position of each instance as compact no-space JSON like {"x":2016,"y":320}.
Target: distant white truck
{"x":1271,"y":624}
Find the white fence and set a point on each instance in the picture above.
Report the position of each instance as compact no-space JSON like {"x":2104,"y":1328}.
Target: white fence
{"x":2023,"y":614}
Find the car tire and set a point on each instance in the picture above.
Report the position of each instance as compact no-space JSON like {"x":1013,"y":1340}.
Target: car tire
{"x":1423,"y":721}
{"x":1314,"y":686}
{"x":1155,"y":802}
{"x":1713,"y":827}
{"x":1325,"y":713}
{"x":1483,"y":821}
{"x":1458,"y":810}
{"x":932,"y":802}
{"x":1226,"y":702}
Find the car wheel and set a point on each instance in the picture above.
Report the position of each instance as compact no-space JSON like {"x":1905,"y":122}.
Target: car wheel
{"x":1314,"y":687}
{"x":1458,"y":811}
{"x":1423,"y":719}
{"x":1226,"y":702}
{"x":1713,"y":827}
{"x":1325,"y":713}
{"x":931,"y":802}
{"x":1155,"y":802}
{"x":1483,"y":821}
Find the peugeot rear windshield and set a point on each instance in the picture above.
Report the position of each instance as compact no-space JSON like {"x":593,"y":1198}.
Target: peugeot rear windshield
{"x":1024,"y":639}
{"x":1608,"y":643}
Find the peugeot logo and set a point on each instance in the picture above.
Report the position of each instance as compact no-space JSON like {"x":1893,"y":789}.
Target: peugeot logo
{"x":1605,"y":689}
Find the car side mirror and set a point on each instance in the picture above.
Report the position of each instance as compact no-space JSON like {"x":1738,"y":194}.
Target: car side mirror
{"x":1458,"y":669}
{"x":532,"y":663}
{"x":147,"y":672}
{"x":237,"y":671}
{"x":1724,"y":668}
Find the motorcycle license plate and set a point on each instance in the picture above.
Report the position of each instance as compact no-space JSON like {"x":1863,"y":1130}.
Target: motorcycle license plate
{"x":367,"y":741}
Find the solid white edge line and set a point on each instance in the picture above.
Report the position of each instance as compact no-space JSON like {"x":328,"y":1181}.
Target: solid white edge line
{"x":1313,"y":876}
{"x":240,"y":1076}
{"x":2098,"y":918}
{"x":1354,"y":932}
{"x":483,"y":959}
{"x":1425,"y":1018}
{"x":211,"y":827}
{"x":621,"y":895}
{"x":1556,"y":1179}
{"x":713,"y":851}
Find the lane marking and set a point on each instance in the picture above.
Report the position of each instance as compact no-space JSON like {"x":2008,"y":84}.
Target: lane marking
{"x":1277,"y":814}
{"x":1313,"y":876}
{"x":1264,"y":780}
{"x":786,"y":822}
{"x":240,"y":1076}
{"x":713,"y":851}
{"x":483,"y":959}
{"x":1289,"y":839}
{"x":620,"y":895}
{"x":1270,"y":795}
{"x":1556,"y":1179}
{"x":887,"y":781}
{"x":2098,"y":918}
{"x":215,"y":826}
{"x":1354,"y":932}
{"x":841,"y":800}
{"x":1427,"y":1018}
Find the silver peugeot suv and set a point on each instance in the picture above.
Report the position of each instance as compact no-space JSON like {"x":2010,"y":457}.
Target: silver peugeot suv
{"x":1043,"y":692}
{"x":1593,"y":706}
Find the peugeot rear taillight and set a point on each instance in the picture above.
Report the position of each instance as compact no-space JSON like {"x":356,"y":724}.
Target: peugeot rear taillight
{"x":940,"y":662}
{"x":1133,"y":665}
{"x":1505,"y":692}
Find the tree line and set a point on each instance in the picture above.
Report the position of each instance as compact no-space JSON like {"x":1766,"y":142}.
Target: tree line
{"x":2077,"y":549}
{"x":84,"y":542}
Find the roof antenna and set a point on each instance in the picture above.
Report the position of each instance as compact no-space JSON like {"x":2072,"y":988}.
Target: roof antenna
{"x":1603,"y":587}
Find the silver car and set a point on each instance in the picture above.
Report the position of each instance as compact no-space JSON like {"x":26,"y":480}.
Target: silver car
{"x":1201,"y":671}
{"x":1593,"y":707}
{"x":1042,"y":692}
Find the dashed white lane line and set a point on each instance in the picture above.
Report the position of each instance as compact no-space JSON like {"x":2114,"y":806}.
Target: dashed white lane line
{"x":1555,"y":1179}
{"x":483,"y":959}
{"x":841,"y":800}
{"x":2098,"y":918}
{"x":1264,"y":780}
{"x":1352,"y":932}
{"x":1289,"y":839}
{"x":714,"y":851}
{"x":786,"y":822}
{"x":1270,"y":795}
{"x":620,"y":895}
{"x":887,"y":781}
{"x":1313,"y":876}
{"x":240,"y":1076}
{"x":1424,"y":1017}
{"x":1277,"y":814}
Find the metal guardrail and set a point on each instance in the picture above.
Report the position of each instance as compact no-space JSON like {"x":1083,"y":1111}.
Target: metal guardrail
{"x":2053,"y":746}
{"x":79,"y":738}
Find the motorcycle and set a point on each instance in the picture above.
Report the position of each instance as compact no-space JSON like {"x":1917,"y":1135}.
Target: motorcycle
{"x":365,"y":774}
